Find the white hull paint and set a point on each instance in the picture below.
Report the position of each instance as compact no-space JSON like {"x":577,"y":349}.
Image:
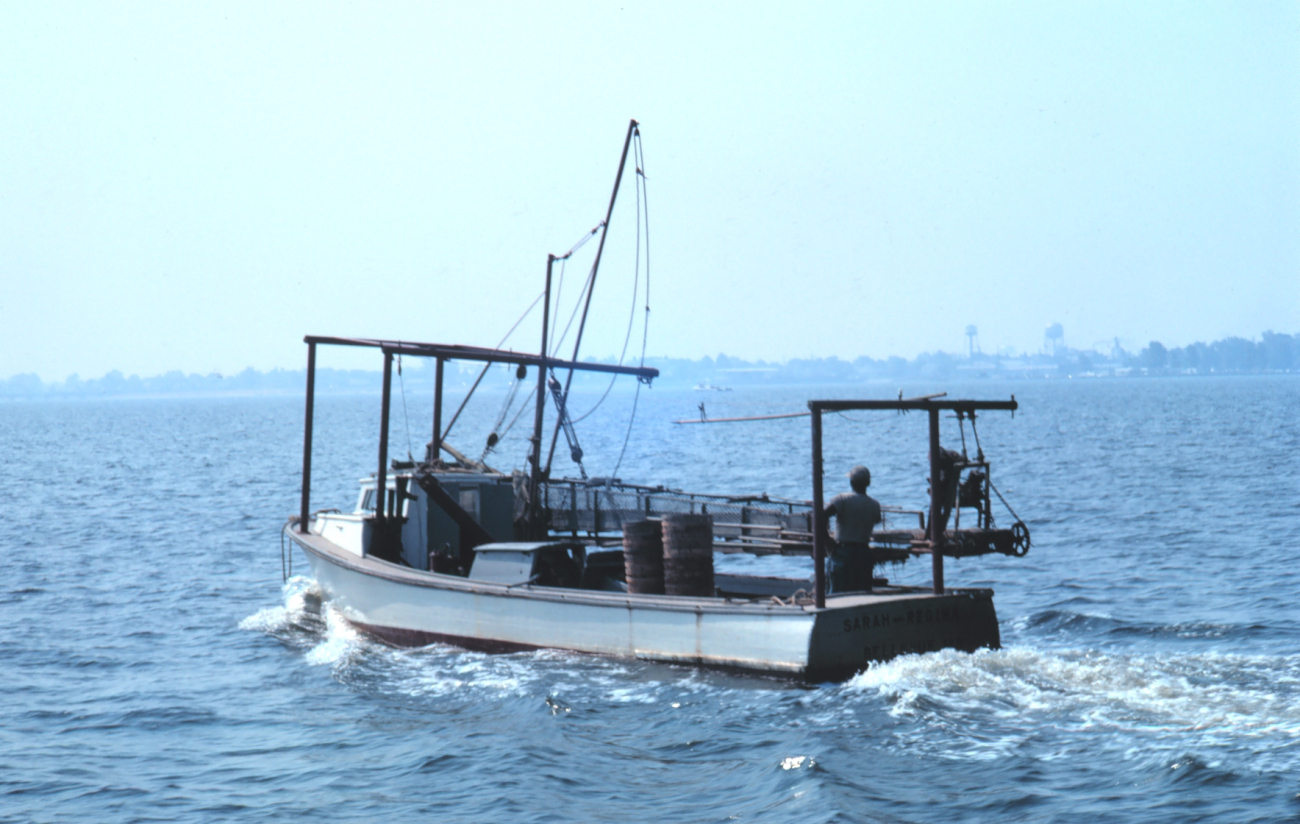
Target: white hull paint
{"x":411,"y":608}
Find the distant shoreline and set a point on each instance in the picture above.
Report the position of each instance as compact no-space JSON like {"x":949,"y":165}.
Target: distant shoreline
{"x":1274,"y":354}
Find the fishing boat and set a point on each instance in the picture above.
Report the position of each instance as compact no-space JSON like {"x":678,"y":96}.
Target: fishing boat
{"x":448,"y":550}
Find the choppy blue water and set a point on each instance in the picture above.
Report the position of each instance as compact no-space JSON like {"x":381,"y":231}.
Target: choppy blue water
{"x":153,"y":668}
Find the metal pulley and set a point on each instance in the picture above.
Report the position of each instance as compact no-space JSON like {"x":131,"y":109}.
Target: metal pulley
{"x":1019,"y":539}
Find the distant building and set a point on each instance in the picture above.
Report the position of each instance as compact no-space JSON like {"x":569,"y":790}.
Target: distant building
{"x":1053,"y":339}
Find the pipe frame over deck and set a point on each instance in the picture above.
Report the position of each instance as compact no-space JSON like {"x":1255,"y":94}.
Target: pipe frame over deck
{"x":933,"y":406}
{"x":442,"y":353}
{"x":482,"y":354}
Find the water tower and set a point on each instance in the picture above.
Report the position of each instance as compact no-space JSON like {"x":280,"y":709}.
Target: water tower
{"x":1054,"y":338}
{"x":972,"y":334}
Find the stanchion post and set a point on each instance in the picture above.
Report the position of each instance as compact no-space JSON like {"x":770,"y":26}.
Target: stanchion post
{"x":306,"y":438}
{"x":819,"y":513}
{"x":381,"y":479}
{"x":936,"y":530}
{"x":435,"y":447}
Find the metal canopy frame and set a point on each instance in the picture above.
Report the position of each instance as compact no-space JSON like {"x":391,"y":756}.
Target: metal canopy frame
{"x":442,"y":353}
{"x":482,"y":354}
{"x":932,"y":406}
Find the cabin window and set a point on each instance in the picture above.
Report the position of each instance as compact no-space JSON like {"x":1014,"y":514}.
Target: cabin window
{"x":368,"y":500}
{"x":469,"y":502}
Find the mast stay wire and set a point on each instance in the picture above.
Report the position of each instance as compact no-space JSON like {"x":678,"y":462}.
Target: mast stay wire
{"x":587,"y":285}
{"x":643,"y":212}
{"x":494,"y":436}
{"x":482,"y":374}
{"x":1004,"y":501}
{"x":573,"y":315}
{"x":522,"y":408}
{"x":565,"y":424}
{"x":401,"y":383}
{"x":642,"y":218}
{"x":527,"y":311}
{"x":405,"y":417}
{"x":632,"y":129}
{"x":502,"y":435}
{"x":636,"y":288}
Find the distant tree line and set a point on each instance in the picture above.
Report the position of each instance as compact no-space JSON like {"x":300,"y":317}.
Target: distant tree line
{"x":248,"y":382}
{"x":1272,"y":353}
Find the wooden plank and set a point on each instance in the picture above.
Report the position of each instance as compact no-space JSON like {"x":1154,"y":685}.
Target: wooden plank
{"x":750,"y":418}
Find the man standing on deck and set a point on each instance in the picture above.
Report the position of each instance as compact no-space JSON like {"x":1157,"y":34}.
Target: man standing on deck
{"x":856,"y":515}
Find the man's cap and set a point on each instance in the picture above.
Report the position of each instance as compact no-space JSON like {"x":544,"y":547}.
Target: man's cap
{"x":860,"y":474}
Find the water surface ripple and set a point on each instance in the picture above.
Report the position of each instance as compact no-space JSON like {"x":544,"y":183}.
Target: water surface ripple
{"x":156,"y":668}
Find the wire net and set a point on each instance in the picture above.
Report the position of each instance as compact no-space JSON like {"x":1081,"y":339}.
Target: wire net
{"x":756,"y":525}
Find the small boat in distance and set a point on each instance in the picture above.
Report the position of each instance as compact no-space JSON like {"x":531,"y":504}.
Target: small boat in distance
{"x":448,"y":550}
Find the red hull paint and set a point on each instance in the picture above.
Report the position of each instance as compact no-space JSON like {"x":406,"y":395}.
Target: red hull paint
{"x":417,"y":638}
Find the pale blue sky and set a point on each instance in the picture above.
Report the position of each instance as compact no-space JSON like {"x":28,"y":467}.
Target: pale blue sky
{"x":197,"y":187}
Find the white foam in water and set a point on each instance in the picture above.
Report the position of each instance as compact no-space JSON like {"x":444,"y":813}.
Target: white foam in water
{"x":340,"y":640}
{"x":301,"y":598}
{"x":986,"y":705}
{"x":437,"y":672}
{"x":296,"y":592}
{"x":1205,"y":700}
{"x":268,"y":619}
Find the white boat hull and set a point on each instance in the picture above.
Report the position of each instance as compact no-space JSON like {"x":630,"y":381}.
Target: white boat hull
{"x":411,"y":607}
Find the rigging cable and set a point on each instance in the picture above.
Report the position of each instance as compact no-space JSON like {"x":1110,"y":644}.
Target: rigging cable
{"x":566,"y":424}
{"x":643,"y":209}
{"x":494,"y":437}
{"x":574,"y":315}
{"x":559,"y":289}
{"x":527,"y":311}
{"x":591,"y":282}
{"x":979,"y":450}
{"x":638,"y":161}
{"x":522,"y":408}
{"x":486,"y":367}
{"x":563,"y":262}
{"x":402,"y":385}
{"x":405,"y":417}
{"x":1004,"y":501}
{"x":631,"y":317}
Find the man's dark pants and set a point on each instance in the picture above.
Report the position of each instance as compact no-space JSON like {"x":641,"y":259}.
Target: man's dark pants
{"x":851,"y":568}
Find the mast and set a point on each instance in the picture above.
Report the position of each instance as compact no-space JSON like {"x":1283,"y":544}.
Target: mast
{"x":591,"y":286}
{"x":535,"y":482}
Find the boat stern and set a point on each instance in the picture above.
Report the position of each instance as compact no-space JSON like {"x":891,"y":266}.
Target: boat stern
{"x":855,"y":630}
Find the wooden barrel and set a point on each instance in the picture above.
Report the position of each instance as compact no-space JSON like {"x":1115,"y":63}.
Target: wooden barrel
{"x":643,"y":557}
{"x":688,"y":554}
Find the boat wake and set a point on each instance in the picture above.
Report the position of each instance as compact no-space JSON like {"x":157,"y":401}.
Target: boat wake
{"x":1166,"y":709}
{"x":993,"y":703}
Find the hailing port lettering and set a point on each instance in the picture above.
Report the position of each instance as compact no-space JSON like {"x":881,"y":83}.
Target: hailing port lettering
{"x":913,"y":616}
{"x":883,"y":652}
